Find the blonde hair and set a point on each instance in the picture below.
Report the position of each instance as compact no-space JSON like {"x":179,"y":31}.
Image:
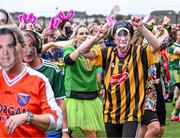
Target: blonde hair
{"x":74,"y":34}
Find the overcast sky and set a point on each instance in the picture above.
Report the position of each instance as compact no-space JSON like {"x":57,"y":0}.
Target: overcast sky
{"x":51,"y":7}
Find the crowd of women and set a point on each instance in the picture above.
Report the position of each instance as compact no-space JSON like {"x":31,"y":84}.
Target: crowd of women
{"x":97,"y":80}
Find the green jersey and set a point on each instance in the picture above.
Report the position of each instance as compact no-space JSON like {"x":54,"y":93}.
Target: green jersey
{"x":174,"y":60}
{"x":55,"y":76}
{"x":81,"y":76}
{"x":174,"y":63}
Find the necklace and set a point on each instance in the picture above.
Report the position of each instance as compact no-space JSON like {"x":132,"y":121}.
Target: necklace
{"x":88,"y":65}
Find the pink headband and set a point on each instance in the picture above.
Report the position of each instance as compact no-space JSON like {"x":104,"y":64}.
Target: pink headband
{"x":27,"y":18}
{"x":67,"y":17}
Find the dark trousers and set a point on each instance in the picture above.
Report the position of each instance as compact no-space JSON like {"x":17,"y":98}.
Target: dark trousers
{"x":127,"y":129}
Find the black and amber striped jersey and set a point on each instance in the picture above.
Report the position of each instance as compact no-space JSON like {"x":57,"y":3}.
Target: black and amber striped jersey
{"x":124,"y":82}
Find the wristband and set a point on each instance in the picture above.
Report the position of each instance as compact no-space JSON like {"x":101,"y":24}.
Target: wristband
{"x":65,"y":130}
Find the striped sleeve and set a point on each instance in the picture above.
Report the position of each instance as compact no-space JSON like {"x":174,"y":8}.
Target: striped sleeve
{"x":172,"y":49}
{"x":98,"y":59}
{"x":150,"y":56}
{"x":101,"y":56}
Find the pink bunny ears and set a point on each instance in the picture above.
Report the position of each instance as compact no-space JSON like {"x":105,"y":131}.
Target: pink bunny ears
{"x":110,"y":21}
{"x":27,"y":18}
{"x":53,"y":24}
{"x":61,"y":15}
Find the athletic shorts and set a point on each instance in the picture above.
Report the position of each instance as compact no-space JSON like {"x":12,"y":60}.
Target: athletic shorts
{"x":148,"y":117}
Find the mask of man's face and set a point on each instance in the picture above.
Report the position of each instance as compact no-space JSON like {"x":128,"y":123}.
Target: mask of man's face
{"x":122,"y":35}
{"x":122,"y":39}
{"x":8,"y":51}
{"x":68,"y":31}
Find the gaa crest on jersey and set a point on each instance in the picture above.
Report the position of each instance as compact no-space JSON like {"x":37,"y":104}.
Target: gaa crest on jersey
{"x":119,"y":78}
{"x":23,"y":98}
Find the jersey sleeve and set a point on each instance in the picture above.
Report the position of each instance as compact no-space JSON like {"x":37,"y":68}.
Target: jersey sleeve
{"x":49,"y":105}
{"x":171,"y":49}
{"x":98,"y":59}
{"x":150,"y":56}
{"x":67,"y":51}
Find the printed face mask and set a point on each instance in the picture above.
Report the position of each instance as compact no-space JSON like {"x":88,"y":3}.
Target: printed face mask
{"x":122,"y":40}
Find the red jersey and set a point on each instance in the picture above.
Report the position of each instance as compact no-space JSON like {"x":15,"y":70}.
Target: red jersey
{"x":29,"y":91}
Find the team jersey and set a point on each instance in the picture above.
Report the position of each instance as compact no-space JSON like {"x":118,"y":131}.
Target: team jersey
{"x":29,"y":91}
{"x":55,"y":56}
{"x":55,"y":76}
{"x":81,"y":76}
{"x":174,"y":59}
{"x":174,"y":63}
{"x":124,"y":82}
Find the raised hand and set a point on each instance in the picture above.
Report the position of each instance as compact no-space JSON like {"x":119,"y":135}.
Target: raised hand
{"x":166,"y":20}
{"x":136,"y":21}
{"x":102,"y":31}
